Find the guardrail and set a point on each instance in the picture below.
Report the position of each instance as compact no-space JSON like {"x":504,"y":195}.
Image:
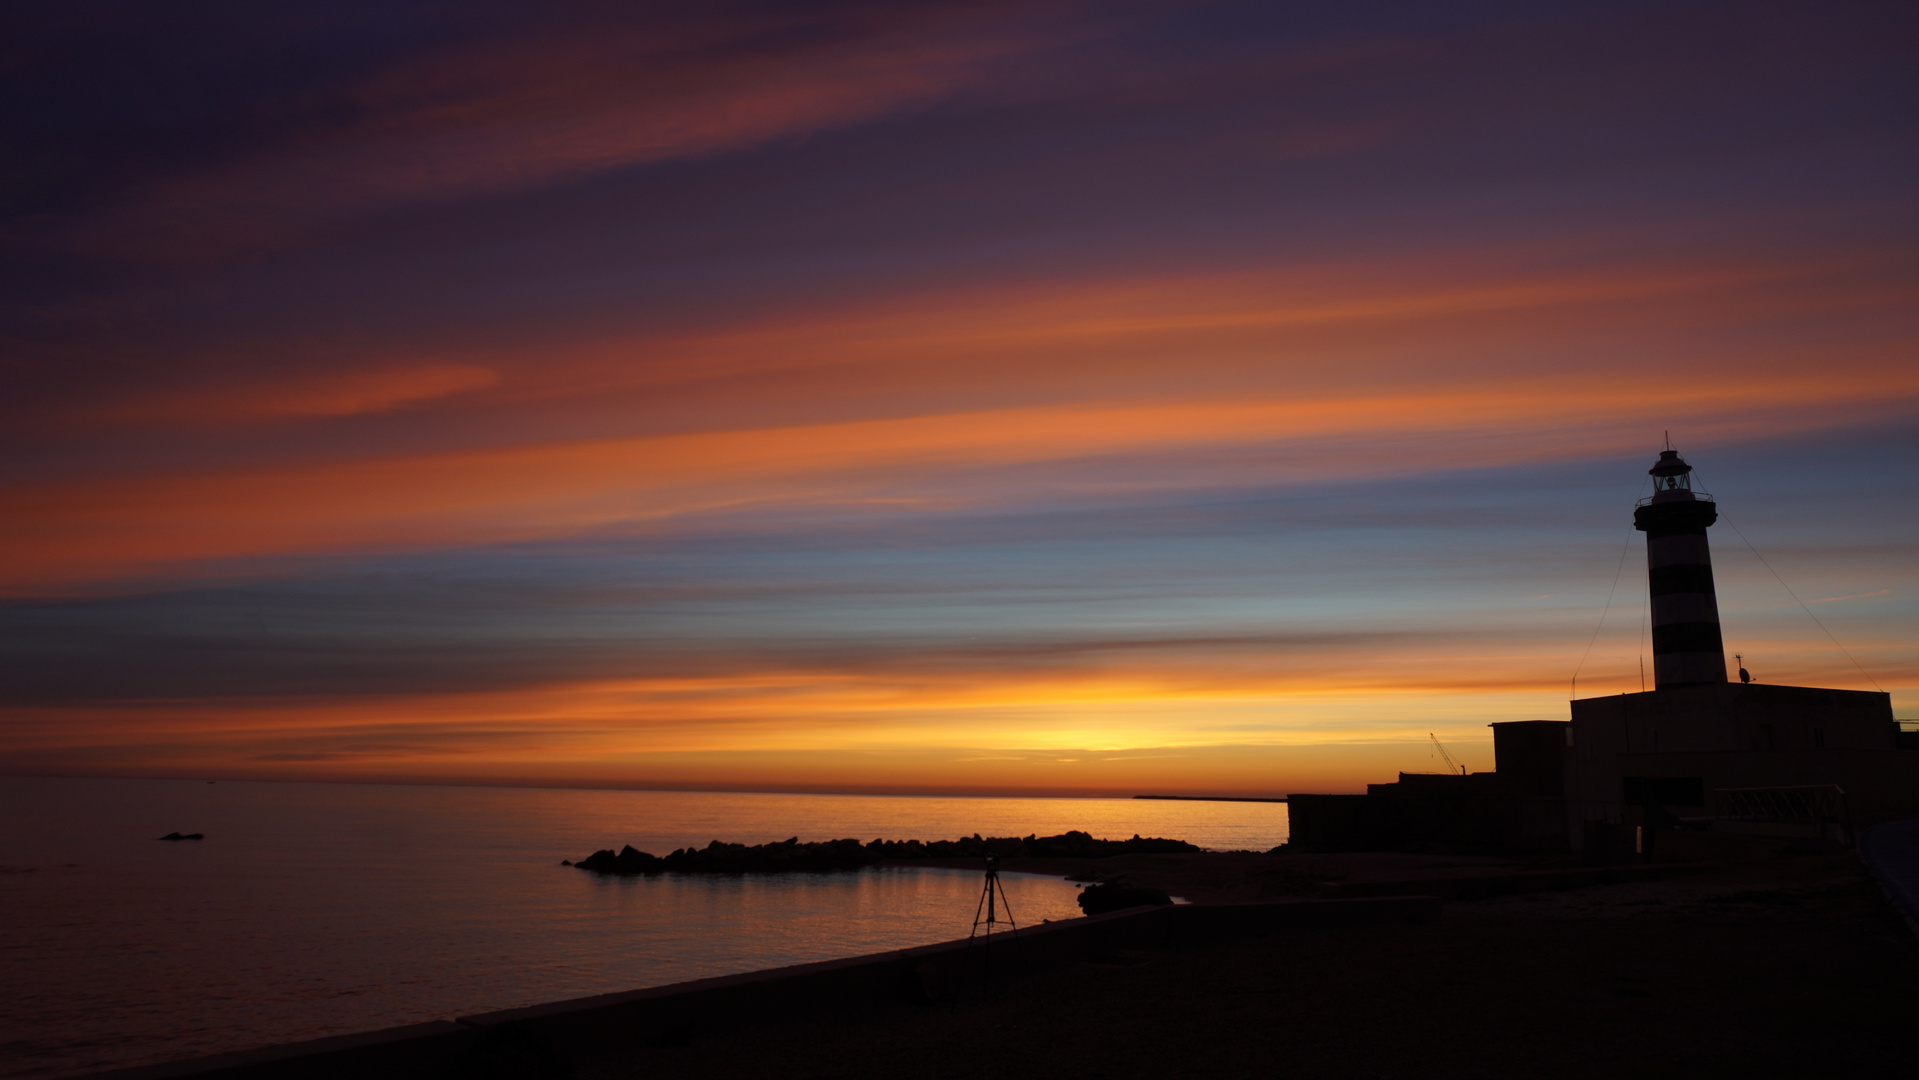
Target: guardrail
{"x":1815,"y":806}
{"x":1698,"y":496}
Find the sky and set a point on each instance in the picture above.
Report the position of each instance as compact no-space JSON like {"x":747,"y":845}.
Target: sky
{"x":1072,"y":398}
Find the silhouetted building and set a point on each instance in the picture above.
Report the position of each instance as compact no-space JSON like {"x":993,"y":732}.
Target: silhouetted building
{"x":1697,"y":752}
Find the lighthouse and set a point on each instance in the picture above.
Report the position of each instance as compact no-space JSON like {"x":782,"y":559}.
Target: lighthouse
{"x":1742,"y":760}
{"x":1686,"y":645}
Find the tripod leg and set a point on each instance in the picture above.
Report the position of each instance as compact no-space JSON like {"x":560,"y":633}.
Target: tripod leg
{"x":980,"y":907}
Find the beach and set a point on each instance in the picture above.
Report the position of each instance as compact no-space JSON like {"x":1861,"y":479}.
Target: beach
{"x":1774,"y":959}
{"x":1792,"y":964}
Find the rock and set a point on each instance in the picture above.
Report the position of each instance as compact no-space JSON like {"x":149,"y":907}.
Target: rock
{"x":186,"y":836}
{"x":601,"y":861}
{"x":1118,"y":896}
{"x":629,"y":860}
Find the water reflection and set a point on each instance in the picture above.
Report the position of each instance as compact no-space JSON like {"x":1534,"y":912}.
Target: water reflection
{"x":315,"y":909}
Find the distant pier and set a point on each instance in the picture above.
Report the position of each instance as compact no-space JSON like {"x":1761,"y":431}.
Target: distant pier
{"x":1209,"y":798}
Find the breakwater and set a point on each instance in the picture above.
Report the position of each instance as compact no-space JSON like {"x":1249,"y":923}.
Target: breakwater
{"x":827,"y":855}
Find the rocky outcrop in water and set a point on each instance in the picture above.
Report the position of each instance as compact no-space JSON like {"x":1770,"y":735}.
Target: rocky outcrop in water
{"x":628,"y":861}
{"x":186,"y":836}
{"x":824,"y":855}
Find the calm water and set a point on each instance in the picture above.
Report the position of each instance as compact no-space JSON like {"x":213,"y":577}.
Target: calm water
{"x":319,"y":909}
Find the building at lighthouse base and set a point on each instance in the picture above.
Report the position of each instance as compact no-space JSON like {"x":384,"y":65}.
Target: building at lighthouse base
{"x":1788,"y":761}
{"x":1729,"y":754}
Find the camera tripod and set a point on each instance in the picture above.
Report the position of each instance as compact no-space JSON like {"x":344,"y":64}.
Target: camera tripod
{"x":986,"y":921}
{"x":992,"y":900}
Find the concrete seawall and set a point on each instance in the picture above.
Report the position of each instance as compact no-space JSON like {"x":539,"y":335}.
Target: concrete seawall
{"x":1484,"y":886}
{"x":568,"y":1033}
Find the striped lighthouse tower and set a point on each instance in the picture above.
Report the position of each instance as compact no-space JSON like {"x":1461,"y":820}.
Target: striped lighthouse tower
{"x":1686,"y":646}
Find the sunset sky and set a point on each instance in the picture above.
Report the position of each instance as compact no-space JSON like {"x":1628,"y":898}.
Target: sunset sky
{"x":1036,"y":397}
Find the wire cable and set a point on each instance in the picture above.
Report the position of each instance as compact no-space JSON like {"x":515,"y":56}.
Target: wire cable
{"x":1795,"y":597}
{"x":1801,"y":603}
{"x":1623,"y":548}
{"x":1643,"y":609}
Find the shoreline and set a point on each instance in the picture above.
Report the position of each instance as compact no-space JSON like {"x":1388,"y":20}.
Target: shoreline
{"x":565,"y":1035}
{"x":1243,"y":911}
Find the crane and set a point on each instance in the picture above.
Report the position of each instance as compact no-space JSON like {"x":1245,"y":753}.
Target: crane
{"x":1448,"y":758}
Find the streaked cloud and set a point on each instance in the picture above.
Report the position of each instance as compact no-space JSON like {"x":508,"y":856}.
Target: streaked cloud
{"x":71,"y":533}
{"x":573,"y":94}
{"x":977,"y":397}
{"x":352,"y":393}
{"x":1853,"y":596}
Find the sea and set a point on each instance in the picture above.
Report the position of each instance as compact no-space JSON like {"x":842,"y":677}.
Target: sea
{"x":315,"y":909}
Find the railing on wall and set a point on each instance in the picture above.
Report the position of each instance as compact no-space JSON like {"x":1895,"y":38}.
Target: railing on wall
{"x":1818,"y":807}
{"x":1698,"y":496}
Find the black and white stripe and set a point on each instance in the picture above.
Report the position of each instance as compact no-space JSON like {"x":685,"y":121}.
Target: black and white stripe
{"x":1686,"y":644}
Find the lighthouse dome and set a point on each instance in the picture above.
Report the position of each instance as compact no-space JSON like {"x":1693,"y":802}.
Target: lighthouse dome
{"x":1671,"y":478}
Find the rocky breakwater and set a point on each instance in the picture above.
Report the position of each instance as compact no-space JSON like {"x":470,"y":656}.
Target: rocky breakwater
{"x":828,"y":855}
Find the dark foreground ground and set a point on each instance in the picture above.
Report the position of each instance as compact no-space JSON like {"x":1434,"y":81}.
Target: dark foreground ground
{"x":1793,"y":965}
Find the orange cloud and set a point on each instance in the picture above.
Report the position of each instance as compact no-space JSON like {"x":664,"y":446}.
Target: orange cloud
{"x":1323,"y":331}
{"x":1326,"y":325}
{"x":1853,"y":596}
{"x":1255,"y":718}
{"x":58,"y":535}
{"x":1286,"y":364}
{"x":802,"y":728}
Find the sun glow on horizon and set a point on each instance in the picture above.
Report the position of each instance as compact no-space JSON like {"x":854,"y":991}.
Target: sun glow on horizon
{"x":936,"y":397}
